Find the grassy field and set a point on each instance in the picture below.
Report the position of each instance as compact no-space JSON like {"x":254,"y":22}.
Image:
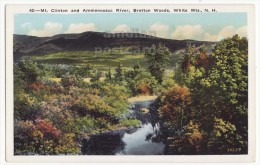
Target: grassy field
{"x":88,"y":57}
{"x":100,"y":59}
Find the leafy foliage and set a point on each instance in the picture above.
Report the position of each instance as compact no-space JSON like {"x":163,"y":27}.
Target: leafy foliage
{"x":157,"y":58}
{"x":28,"y":71}
{"x":218,"y":99}
{"x":130,"y":122}
{"x":141,"y":81}
{"x":119,"y":76}
{"x":202,"y":105}
{"x":188,"y":141}
{"x":225,"y":136}
{"x":175,"y":109}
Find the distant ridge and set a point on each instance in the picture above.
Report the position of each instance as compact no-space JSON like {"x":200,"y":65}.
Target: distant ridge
{"x":88,"y":41}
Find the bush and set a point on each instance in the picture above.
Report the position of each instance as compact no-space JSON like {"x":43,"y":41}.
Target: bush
{"x":143,"y":83}
{"x":188,"y":141}
{"x":70,"y":81}
{"x":40,"y":137}
{"x":28,"y":71}
{"x":130,"y":122}
{"x":224,"y":136}
{"x":67,"y":145}
{"x":174,"y":108}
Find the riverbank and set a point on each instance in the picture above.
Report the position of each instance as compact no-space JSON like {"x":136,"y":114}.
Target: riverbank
{"x":127,"y":124}
{"x":113,"y":129}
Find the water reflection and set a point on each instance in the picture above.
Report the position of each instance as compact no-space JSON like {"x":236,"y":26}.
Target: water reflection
{"x":140,"y":141}
{"x":103,"y":144}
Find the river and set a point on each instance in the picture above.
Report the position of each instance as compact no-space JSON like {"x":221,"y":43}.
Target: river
{"x":136,"y":141}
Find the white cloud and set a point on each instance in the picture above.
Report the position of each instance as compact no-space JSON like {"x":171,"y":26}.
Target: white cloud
{"x":242,"y":31}
{"x":49,"y":29}
{"x":81,"y":27}
{"x":229,"y":31}
{"x":26,"y":25}
{"x":188,"y":32}
{"x":209,"y":37}
{"x":161,"y":30}
{"x":123,"y":28}
{"x":197,"y":32}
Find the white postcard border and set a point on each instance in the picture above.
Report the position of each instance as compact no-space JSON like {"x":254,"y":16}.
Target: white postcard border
{"x":105,"y":159}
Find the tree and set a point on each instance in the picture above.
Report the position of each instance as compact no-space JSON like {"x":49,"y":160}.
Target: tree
{"x":137,"y":66}
{"x":220,"y":78}
{"x":228,"y":80}
{"x":116,"y":96}
{"x":222,"y":90}
{"x":109,"y":75}
{"x":195,"y":64}
{"x":96,"y":76}
{"x":68,"y":81}
{"x":28,"y":71}
{"x":119,"y":76}
{"x":157,"y":58}
{"x":131,"y":74}
{"x":188,"y":141}
{"x":189,"y":58}
{"x":203,"y":59}
{"x":142,"y":82}
{"x":218,"y":99}
{"x":175,"y":106}
{"x":225,"y":137}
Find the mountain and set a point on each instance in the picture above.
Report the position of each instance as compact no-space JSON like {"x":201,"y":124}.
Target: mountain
{"x":89,"y":41}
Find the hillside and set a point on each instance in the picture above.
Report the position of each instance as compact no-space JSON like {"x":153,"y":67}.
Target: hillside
{"x":34,"y":46}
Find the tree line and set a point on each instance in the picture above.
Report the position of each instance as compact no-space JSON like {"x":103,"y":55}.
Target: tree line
{"x":202,"y":104}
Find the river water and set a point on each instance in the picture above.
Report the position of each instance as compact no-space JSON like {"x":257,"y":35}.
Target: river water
{"x":137,"y":141}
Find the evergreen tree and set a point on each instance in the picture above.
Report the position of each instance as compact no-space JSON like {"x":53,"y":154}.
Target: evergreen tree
{"x":119,"y":76}
{"x":109,"y":75}
{"x":157,"y":58}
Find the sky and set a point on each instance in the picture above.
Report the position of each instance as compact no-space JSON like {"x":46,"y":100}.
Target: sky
{"x":197,"y":26}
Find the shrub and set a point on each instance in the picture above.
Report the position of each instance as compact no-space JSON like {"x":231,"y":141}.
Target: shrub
{"x":130,"y":122}
{"x":188,"y":141}
{"x":175,"y":106}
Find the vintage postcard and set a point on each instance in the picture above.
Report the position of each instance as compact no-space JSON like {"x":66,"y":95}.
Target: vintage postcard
{"x":130,"y":83}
